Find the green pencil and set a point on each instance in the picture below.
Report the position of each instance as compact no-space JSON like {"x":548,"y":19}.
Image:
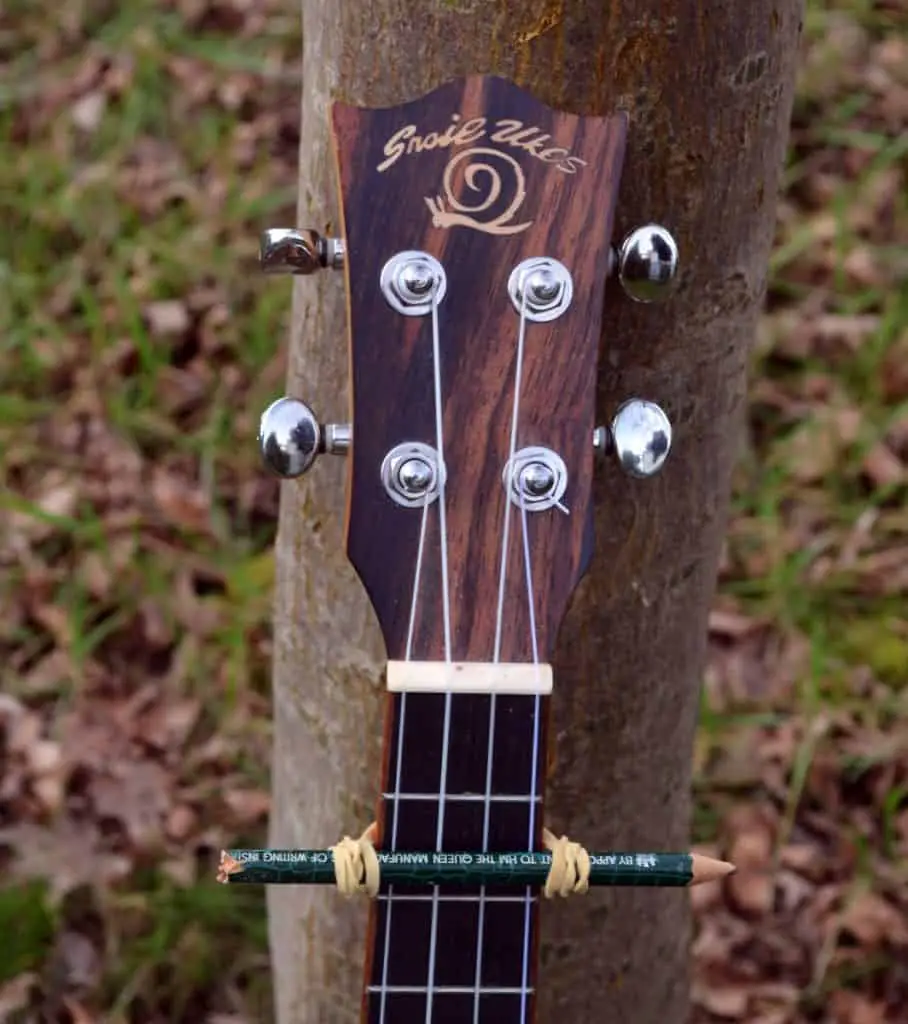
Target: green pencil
{"x":316,"y":867}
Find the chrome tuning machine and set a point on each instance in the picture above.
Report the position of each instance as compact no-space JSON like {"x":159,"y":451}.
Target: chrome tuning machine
{"x":290,"y":251}
{"x":646,"y":263}
{"x":640,"y":437}
{"x":291,"y":438}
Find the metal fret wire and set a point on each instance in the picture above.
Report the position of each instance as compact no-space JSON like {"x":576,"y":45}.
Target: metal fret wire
{"x":449,"y":990}
{"x":516,"y":798}
{"x":452,"y":898}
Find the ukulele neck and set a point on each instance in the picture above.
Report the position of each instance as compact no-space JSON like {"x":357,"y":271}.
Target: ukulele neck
{"x":462,"y":772}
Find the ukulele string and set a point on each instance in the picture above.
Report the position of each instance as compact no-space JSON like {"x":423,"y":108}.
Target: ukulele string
{"x":515,"y":415}
{"x":446,"y":609}
{"x":496,"y":656}
{"x":417,"y":575}
{"x":440,"y":450}
{"x":534,"y":765}
{"x":411,"y":631}
{"x":528,"y":569}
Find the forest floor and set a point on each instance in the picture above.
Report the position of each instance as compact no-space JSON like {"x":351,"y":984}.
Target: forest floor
{"x":143,"y":147}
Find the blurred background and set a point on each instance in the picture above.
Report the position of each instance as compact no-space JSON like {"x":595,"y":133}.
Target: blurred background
{"x":144,"y":145}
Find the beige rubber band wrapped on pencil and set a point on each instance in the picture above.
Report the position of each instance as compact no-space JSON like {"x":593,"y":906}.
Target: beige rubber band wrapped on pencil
{"x":357,"y":870}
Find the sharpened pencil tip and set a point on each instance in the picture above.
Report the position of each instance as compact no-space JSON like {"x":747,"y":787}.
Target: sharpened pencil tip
{"x":228,"y":866}
{"x":708,"y":869}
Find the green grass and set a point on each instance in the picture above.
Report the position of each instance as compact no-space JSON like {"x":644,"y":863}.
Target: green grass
{"x":27,"y":922}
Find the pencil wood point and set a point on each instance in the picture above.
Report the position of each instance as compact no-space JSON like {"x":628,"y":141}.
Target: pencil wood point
{"x":228,"y":866}
{"x":708,"y":869}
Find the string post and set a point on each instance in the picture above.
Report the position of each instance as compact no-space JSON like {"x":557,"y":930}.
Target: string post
{"x":535,"y":479}
{"x":413,"y":282}
{"x":412,"y":474}
{"x":541,"y":289}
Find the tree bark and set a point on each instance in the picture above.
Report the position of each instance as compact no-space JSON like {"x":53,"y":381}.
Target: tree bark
{"x":708,"y":86}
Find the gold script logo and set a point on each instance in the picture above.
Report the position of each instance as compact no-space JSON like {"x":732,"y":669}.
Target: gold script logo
{"x":492,"y":173}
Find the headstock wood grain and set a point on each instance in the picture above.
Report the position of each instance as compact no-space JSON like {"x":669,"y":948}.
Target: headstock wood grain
{"x":476,"y":247}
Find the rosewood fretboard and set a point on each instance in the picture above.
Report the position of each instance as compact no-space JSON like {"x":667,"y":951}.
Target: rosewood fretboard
{"x":399,"y":970}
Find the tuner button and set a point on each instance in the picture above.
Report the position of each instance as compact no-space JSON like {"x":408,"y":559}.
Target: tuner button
{"x":641,"y":437}
{"x":647,"y":263}
{"x":290,"y":437}
{"x":288,"y":251}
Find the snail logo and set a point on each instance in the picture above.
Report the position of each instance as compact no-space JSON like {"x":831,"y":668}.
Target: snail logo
{"x":479,"y":175}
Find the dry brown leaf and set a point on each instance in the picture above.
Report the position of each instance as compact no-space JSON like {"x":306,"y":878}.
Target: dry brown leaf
{"x":156,"y":626}
{"x":750,"y":848}
{"x":874,"y":921}
{"x":88,"y":111}
{"x":894,"y":371}
{"x":805,"y":858}
{"x":55,"y":620}
{"x":751,"y":892}
{"x":16,"y":994}
{"x":76,"y":963}
{"x":848,"y":332}
{"x":883,"y":467}
{"x":816,"y":448}
{"x":48,"y":675}
{"x":58,"y":497}
{"x":182,"y":819}
{"x":850,"y":1007}
{"x":96,"y":575}
{"x":77,"y":1012}
{"x":167,"y":318}
{"x":181,"y":503}
{"x":65,"y":853}
{"x":137,"y":796}
{"x":884,"y":572}
{"x":168,"y":723}
{"x":731,"y":624}
{"x":180,"y":390}
{"x":727,"y":1003}
{"x":247,"y":805}
{"x":182,"y":871}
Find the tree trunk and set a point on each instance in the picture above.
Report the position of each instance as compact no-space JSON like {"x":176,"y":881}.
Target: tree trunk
{"x":708,"y":86}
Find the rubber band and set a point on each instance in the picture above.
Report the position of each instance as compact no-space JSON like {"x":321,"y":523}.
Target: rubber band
{"x":356,"y":868}
{"x":570,"y":869}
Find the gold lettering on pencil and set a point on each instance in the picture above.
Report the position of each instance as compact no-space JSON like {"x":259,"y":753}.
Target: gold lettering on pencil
{"x":483,"y":187}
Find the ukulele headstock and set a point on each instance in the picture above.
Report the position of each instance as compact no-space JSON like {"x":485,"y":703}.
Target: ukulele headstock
{"x":476,"y":246}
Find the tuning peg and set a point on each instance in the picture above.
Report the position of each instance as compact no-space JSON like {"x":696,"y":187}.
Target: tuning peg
{"x":647,"y":263}
{"x":290,"y":437}
{"x":640,"y":437}
{"x":288,"y":251}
